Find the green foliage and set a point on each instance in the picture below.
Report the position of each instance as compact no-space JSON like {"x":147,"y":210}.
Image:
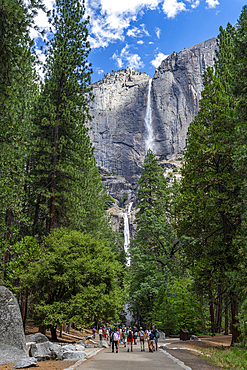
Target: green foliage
{"x":76,"y":279}
{"x":155,"y":243}
{"x":233,"y":358}
{"x":178,"y":307}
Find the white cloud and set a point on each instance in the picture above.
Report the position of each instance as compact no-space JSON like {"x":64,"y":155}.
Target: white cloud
{"x":195,"y":4}
{"x":158,"y":32}
{"x":158,"y":59}
{"x":140,"y":42}
{"x":138,"y":32}
{"x":150,"y":42}
{"x":172,"y":7}
{"x":128,"y":59}
{"x":212,"y":3}
{"x":99,"y":71}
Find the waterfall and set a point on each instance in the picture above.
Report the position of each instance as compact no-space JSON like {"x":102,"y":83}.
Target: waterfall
{"x":148,"y":120}
{"x":127,"y":232}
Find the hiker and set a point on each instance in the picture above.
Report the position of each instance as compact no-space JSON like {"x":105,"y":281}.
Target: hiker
{"x":150,"y":341}
{"x":94,"y":330}
{"x":124,"y":336}
{"x":104,"y":332}
{"x":115,"y":339}
{"x":135,"y":333}
{"x":107,"y":334}
{"x":100,"y":333}
{"x":130,"y":339}
{"x":141,"y":336}
{"x":157,"y":335}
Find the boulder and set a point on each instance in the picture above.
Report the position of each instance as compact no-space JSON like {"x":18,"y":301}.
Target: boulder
{"x":69,"y":347}
{"x":46,"y":351}
{"x":12,"y":338}
{"x":195,"y":338}
{"x":37,"y":338}
{"x":79,"y":347}
{"x":163,"y":347}
{"x":81,"y":342}
{"x":26,"y":362}
{"x":104,"y":344}
{"x":74,"y":356}
{"x":29,"y":346}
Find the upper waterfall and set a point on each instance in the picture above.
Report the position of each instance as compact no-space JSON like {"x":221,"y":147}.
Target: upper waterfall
{"x":148,"y":120}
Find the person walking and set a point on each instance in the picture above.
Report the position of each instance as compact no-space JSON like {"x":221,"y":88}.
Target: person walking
{"x":141,"y":336}
{"x":124,"y":336}
{"x":157,"y":335}
{"x":135,"y":333}
{"x":94,"y":330}
{"x":150,"y":341}
{"x":100,"y":334}
{"x":115,"y":339}
{"x":130,"y":339}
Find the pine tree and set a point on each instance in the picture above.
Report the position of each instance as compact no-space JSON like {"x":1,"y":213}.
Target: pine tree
{"x":155,"y":244}
{"x":210,"y":186}
{"x":17,"y":92}
{"x":65,"y":187}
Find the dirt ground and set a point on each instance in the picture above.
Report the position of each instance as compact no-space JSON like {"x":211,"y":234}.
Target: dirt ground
{"x":188,"y":351}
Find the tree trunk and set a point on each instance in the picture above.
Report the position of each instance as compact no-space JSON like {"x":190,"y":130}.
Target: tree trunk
{"x":54,"y":182}
{"x":8,"y":217}
{"x":69,"y":327}
{"x":235,"y":323}
{"x":211,"y":304}
{"x":226,"y":321}
{"x":54,"y":333}
{"x":61,"y":331}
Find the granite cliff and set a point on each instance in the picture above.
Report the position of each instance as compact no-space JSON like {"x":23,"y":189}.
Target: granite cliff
{"x":118,"y":130}
{"x":118,"y":127}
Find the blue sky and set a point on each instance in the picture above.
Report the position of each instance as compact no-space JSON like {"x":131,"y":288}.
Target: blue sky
{"x":141,"y":33}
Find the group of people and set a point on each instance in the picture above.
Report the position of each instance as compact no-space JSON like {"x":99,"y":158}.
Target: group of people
{"x":128,"y":336}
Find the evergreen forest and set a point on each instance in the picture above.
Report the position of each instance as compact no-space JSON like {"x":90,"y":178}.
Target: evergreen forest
{"x":58,"y":253}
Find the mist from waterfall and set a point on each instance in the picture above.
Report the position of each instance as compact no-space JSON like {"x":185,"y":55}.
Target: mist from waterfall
{"x":148,"y":120}
{"x":127,"y":233}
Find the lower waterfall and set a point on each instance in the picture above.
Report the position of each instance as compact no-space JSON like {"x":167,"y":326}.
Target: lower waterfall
{"x":127,"y":233}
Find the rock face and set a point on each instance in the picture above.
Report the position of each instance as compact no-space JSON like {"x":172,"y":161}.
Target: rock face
{"x":118,"y":132}
{"x":12,"y":338}
{"x":177,"y":87}
{"x":119,"y":109}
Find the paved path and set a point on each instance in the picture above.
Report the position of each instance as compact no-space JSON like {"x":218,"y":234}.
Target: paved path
{"x":124,"y":360}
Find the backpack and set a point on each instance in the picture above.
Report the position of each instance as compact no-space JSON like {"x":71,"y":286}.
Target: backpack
{"x":130,"y":334}
{"x":157,"y":334}
{"x":115,"y":336}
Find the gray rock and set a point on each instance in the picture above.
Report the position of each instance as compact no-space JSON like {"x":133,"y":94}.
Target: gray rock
{"x":176,"y":91}
{"x":12,"y":338}
{"x":79,"y":347}
{"x":119,"y":108}
{"x":81,"y":342}
{"x":26,"y":362}
{"x":162,"y":346}
{"x":46,"y":351}
{"x":195,"y":338}
{"x":69,"y":347}
{"x":74,"y":356}
{"x":29,"y":346}
{"x":104,"y":344}
{"x":37,"y":338}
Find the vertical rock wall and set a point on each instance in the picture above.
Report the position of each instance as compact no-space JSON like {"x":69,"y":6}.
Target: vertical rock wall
{"x":177,"y":87}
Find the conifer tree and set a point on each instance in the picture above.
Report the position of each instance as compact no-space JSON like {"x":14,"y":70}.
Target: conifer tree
{"x":155,"y":244}
{"x":17,"y":93}
{"x":210,"y":186}
{"x":64,"y":177}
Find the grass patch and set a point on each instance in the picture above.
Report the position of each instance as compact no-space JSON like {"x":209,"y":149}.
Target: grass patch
{"x":230,"y":358}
